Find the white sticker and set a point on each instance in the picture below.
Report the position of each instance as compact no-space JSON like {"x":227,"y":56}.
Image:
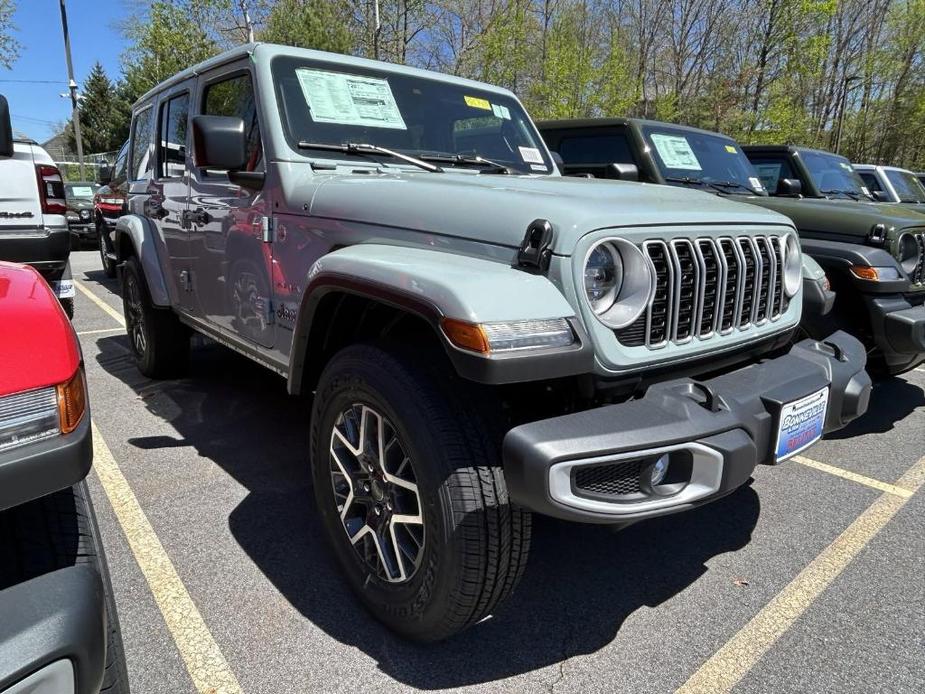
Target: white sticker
{"x":538,"y":167}
{"x":865,"y":191}
{"x":501,"y":111}
{"x":82,"y":192}
{"x":676,"y":152}
{"x":531,"y":155}
{"x":64,"y":289}
{"x":496,"y":110}
{"x":335,"y":97}
{"x":846,"y":167}
{"x":506,"y":112}
{"x":755,"y":183}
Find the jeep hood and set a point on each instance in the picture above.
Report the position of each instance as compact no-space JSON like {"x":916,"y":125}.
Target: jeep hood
{"x":497,"y":209}
{"x":843,"y":217}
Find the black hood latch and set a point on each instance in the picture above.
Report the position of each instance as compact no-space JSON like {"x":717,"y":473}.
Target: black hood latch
{"x":536,"y":248}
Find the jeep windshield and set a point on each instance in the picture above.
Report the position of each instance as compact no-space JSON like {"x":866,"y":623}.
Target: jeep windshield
{"x":457,"y":126}
{"x":834,"y":176}
{"x":713,"y":162}
{"x":907,"y":186}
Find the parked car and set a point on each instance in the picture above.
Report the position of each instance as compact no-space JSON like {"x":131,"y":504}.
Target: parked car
{"x":109,"y":205}
{"x":59,"y":630}
{"x":921,"y":176}
{"x":33,"y":227}
{"x":484,"y":338}
{"x":872,"y":254}
{"x":892,"y":184}
{"x":79,"y":198}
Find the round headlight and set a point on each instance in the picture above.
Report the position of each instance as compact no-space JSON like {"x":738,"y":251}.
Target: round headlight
{"x":617,"y":281}
{"x":793,"y":270}
{"x":603,"y":277}
{"x":908,"y":253}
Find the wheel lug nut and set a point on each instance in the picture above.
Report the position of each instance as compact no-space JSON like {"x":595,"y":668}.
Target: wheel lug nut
{"x":366,"y":487}
{"x":378,"y":510}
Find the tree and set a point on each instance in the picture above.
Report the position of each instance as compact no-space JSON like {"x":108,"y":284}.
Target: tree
{"x":9,"y":46}
{"x":318,"y":24}
{"x":104,"y":123}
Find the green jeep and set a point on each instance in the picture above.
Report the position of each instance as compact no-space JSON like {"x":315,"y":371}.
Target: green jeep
{"x":873,"y":254}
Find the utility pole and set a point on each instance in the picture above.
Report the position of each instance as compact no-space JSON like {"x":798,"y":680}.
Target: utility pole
{"x":377,"y":28}
{"x":72,"y":87}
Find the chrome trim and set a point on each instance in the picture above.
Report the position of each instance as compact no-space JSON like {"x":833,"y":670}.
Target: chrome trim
{"x":669,"y":299}
{"x":673,"y":252}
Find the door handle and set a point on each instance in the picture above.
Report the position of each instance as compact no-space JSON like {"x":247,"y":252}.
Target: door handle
{"x":200,"y":216}
{"x":155,"y":209}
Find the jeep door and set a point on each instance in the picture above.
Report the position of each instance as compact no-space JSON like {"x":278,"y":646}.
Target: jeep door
{"x":231,"y":262}
{"x":168,"y":191}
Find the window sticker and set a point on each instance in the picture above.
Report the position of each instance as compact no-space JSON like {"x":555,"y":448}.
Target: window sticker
{"x":539,"y":167}
{"x":846,"y":167}
{"x":476,"y":102}
{"x":866,"y":191}
{"x":501,"y":111}
{"x":730,"y":149}
{"x":755,"y":183}
{"x":336,"y":97}
{"x":676,"y":152}
{"x":82,"y":191}
{"x":531,"y":155}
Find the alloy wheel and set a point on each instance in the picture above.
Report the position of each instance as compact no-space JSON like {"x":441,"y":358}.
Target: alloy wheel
{"x":135,"y":316}
{"x":376,"y":493}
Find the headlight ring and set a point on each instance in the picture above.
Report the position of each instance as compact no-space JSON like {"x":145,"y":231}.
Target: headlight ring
{"x":618,"y":282}
{"x":793,"y":269}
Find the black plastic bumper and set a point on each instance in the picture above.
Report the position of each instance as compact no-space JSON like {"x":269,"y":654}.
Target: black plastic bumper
{"x":47,"y":253}
{"x":729,"y":422}
{"x":83,"y":229}
{"x":46,"y":466}
{"x":57,"y":616}
{"x":899,"y":331}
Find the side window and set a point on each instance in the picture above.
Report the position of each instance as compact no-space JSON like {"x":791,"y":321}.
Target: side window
{"x":141,"y":160}
{"x":119,"y":168}
{"x":596,"y":149}
{"x":771,"y":170}
{"x":171,"y":157}
{"x":870,"y":180}
{"x":235,"y":97}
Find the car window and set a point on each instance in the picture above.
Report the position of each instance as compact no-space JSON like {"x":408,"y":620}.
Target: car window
{"x":81,"y":190}
{"x":141,"y":143}
{"x":771,"y":170}
{"x":118,"y":169}
{"x":172,"y":139}
{"x":596,"y":149}
{"x":235,"y":97}
{"x":833,"y":175}
{"x":870,"y":180}
{"x":907,"y":186}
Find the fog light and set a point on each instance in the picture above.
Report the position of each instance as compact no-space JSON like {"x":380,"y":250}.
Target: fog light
{"x":659,"y":470}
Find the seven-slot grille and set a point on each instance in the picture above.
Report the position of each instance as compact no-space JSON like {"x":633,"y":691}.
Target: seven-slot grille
{"x":705,"y":287}
{"x":918,"y":274}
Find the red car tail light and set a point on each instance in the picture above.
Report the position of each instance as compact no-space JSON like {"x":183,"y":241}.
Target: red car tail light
{"x":51,"y":189}
{"x":72,"y":402}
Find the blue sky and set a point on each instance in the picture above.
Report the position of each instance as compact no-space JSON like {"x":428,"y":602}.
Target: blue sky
{"x":37,"y":109}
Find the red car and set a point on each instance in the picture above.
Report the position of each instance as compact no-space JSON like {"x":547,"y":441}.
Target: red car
{"x":59,"y":631}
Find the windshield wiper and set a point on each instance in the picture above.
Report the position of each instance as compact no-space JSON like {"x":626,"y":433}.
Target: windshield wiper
{"x":722,"y":185}
{"x":849,"y":193}
{"x":465,"y":159}
{"x":686,"y":180}
{"x":363,"y":148}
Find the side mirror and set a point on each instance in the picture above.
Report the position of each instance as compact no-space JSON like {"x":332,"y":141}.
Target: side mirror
{"x":219,"y":143}
{"x":104,"y":175}
{"x":880,"y":195}
{"x":789,"y":186}
{"x":624,"y":172}
{"x":6,"y":129}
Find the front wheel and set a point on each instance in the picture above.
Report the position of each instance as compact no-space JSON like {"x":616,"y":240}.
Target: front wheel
{"x":412,"y":495}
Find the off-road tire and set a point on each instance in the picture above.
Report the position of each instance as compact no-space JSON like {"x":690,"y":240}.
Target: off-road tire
{"x":162,"y":351}
{"x":109,"y":266}
{"x":55,"y":532}
{"x":476,"y":543}
{"x":67,"y":304}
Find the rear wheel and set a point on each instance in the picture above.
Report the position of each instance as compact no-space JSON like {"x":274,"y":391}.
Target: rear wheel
{"x":159,"y":341}
{"x":412,"y":495}
{"x":109,"y":266}
{"x":55,"y":532}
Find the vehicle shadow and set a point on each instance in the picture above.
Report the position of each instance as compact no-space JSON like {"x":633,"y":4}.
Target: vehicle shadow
{"x":581,"y":584}
{"x":99,"y":277}
{"x":891,"y":400}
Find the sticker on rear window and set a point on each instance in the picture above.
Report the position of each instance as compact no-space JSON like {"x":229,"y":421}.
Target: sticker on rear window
{"x":336,"y":97}
{"x":531,"y":155}
{"x":676,"y":152}
{"x":476,"y":102}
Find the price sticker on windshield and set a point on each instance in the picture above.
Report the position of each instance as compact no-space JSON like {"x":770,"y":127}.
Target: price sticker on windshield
{"x":676,"y":152}
{"x":531,"y":155}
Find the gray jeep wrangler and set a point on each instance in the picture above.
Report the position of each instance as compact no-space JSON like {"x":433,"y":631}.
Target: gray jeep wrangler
{"x":483,"y":337}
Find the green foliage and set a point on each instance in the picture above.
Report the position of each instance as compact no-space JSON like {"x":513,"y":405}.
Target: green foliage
{"x":9,"y":46}
{"x":104,"y":126}
{"x":318,"y":24}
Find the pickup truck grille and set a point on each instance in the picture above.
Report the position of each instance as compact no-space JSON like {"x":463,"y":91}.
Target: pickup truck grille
{"x":708,"y":287}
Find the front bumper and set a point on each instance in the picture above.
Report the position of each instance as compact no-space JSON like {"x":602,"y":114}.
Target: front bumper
{"x":46,"y":466}
{"x":86,"y":229}
{"x":54,"y":626}
{"x":899,"y":331}
{"x":715,"y":432}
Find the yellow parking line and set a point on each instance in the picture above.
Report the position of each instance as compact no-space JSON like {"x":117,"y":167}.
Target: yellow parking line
{"x":726,"y":668}
{"x":99,"y":302}
{"x":207,"y":666}
{"x":82,"y":333}
{"x":854,"y":477}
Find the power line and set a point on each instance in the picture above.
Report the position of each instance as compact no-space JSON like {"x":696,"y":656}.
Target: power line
{"x":33,"y":120}
{"x":35,"y":81}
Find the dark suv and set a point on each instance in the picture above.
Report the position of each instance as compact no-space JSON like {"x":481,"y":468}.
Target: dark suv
{"x":79,"y":198}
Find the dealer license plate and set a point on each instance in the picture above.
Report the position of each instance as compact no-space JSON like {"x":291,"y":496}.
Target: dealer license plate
{"x":801,"y":423}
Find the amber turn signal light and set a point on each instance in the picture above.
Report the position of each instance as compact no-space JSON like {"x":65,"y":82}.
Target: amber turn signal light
{"x":72,"y":402}
{"x":865,"y":273}
{"x":466,"y":335}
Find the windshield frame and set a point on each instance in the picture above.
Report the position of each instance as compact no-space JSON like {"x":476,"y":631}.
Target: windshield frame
{"x":807,"y":155}
{"x":285,"y":65}
{"x":745,"y":179}
{"x":909,"y":179}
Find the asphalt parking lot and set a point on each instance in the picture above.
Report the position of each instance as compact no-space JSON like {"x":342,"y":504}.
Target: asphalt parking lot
{"x":810,"y":579}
